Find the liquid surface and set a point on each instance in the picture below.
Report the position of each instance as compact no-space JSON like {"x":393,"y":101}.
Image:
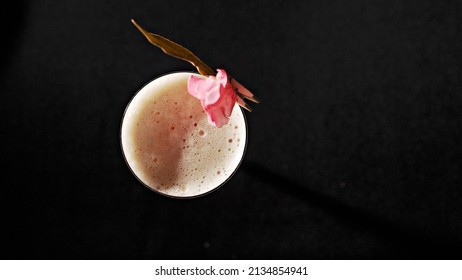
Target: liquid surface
{"x":169,"y":145}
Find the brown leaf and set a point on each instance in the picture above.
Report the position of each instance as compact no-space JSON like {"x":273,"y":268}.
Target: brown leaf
{"x":173,"y":49}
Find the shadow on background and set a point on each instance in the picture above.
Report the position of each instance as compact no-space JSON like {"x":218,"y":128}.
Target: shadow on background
{"x":405,"y":242}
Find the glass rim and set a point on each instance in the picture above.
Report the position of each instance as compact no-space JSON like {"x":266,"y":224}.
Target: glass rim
{"x":163,"y":193}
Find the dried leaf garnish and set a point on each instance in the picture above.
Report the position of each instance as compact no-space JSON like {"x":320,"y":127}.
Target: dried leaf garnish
{"x":173,"y":49}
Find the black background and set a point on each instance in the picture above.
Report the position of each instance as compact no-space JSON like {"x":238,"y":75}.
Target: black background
{"x":354,"y":152}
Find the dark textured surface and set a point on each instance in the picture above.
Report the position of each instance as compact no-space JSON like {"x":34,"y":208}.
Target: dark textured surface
{"x":354,"y":153}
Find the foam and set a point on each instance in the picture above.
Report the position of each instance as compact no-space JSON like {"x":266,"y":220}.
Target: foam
{"x":169,"y":145}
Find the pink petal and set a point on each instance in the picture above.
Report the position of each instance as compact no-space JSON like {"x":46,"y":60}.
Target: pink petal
{"x":222,"y":77}
{"x":215,"y":117}
{"x":216,"y":94}
{"x":198,"y":87}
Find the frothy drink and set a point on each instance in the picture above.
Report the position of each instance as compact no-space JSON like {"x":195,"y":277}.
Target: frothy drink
{"x":169,"y":145}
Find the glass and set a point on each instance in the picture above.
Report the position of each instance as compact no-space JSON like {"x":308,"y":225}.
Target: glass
{"x":170,"y":147}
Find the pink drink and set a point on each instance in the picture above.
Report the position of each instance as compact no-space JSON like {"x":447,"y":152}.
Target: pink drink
{"x":169,"y":145}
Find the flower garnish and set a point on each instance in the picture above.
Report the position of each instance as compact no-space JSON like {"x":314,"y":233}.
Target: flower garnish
{"x":217,"y":92}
